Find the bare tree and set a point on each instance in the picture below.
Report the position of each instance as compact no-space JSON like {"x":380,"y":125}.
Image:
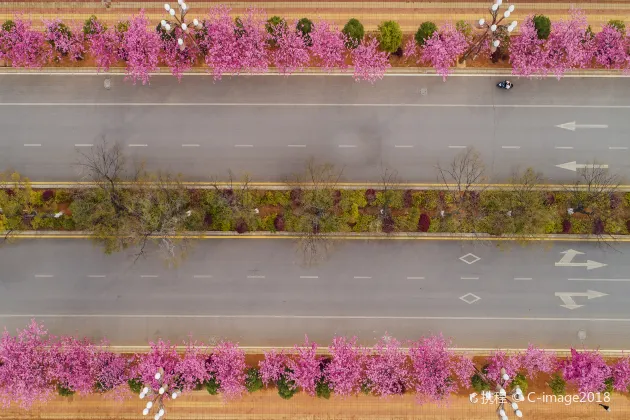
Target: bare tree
{"x":390,"y":198}
{"x":15,"y":204}
{"x":592,"y":194}
{"x":235,"y":201}
{"x":463,"y":180}
{"x":129,"y":207}
{"x":313,"y":205}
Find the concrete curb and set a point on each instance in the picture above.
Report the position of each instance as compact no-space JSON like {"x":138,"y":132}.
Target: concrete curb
{"x":418,"y":236}
{"x":275,"y":186}
{"x":311,"y":71}
{"x":324,"y":350}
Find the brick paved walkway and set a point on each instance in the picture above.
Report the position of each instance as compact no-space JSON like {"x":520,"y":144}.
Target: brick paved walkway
{"x":409,"y":14}
{"x":267,"y":405}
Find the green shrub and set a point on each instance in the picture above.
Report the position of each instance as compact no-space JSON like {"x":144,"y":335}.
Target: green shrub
{"x":274,"y":24}
{"x":365,"y":223}
{"x":212,"y":386}
{"x":435,"y":225}
{"x":322,"y":389}
{"x":609,"y":382}
{"x":557,"y":385}
{"x":273,"y":198}
{"x":390,"y":36}
{"x":350,"y":197}
{"x":521,"y":381}
{"x":89,"y":27}
{"x":253,"y":381}
{"x":393,"y":198}
{"x":305,"y":25}
{"x":464,"y":28}
{"x":286,"y":387}
{"x":43,"y":222}
{"x":64,"y":392}
{"x":195,"y":221}
{"x":619,"y":25}
{"x":8,"y":25}
{"x":366,"y":388}
{"x":354,"y":31}
{"x":543,"y":26}
{"x":267,"y":223}
{"x":424,"y":32}
{"x":554,"y":225}
{"x":36,"y":198}
{"x":426,"y":200}
{"x":581,"y":226}
{"x":63,"y":196}
{"x":135,"y":385}
{"x":122,"y":26}
{"x":478,"y":384}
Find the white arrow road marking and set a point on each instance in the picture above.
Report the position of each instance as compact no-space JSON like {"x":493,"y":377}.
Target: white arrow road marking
{"x":572,"y":126}
{"x":569,"y":303}
{"x":574,"y":166}
{"x":567,"y":261}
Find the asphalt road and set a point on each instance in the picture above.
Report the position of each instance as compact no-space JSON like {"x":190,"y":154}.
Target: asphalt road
{"x":260,"y":294}
{"x":268,"y":126}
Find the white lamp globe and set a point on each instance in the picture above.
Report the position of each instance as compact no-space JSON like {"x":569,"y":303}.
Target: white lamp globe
{"x":502,"y":412}
{"x":158,"y":375}
{"x":482,"y":21}
{"x":163,"y":22}
{"x":495,"y":7}
{"x":149,"y":404}
{"x":511,"y":8}
{"x":145,"y":390}
{"x":493,"y":28}
{"x":184,"y":26}
{"x":161,"y":391}
{"x":514,"y":406}
{"x":502,"y":392}
{"x":180,"y":42}
{"x":496,"y":42}
{"x":172,"y":12}
{"x":510,"y":28}
{"x":167,"y":27}
{"x":174,"y":395}
{"x":499,"y":2}
{"x":195,"y":22}
{"x":506,"y":14}
{"x":518,"y":413}
{"x":180,"y":1}
{"x":167,"y":7}
{"x":156,"y":417}
{"x":145,"y":411}
{"x":505,"y":377}
{"x":161,"y":412}
{"x":514,"y":24}
{"x":184,"y":7}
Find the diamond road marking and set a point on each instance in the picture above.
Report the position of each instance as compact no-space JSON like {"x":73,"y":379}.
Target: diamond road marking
{"x":470,"y":298}
{"x":470,"y":258}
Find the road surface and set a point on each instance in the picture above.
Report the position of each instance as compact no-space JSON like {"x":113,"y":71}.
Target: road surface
{"x":268,"y":126}
{"x":258,"y":293}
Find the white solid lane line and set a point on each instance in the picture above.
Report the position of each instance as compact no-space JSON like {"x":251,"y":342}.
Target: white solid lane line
{"x":32,"y":145}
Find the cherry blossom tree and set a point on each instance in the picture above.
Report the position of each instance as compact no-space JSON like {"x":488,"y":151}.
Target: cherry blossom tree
{"x":345,"y":372}
{"x":290,"y":53}
{"x":233,"y":48}
{"x":534,"y":361}
{"x":161,"y":356}
{"x":142,"y":47}
{"x":463,"y":368}
{"x":500,"y":359}
{"x":110,"y":370}
{"x":74,"y":364}
{"x":410,"y":49}
{"x":443,"y":49}
{"x":273,"y":366}
{"x":386,"y":370}
{"x":177,"y":59}
{"x":23,"y":46}
{"x":431,"y":372}
{"x":227,"y":364}
{"x":103,"y":46}
{"x":621,"y":374}
{"x":527,"y":54}
{"x":569,"y":45}
{"x":305,"y":371}
{"x":370,"y":63}
{"x":328,"y":44}
{"x":26,"y":366}
{"x":611,"y":48}
{"x":587,"y":369}
{"x":66,"y":42}
{"x":191,"y":370}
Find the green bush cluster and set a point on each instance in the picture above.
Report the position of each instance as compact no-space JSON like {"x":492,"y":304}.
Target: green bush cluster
{"x":543,"y":26}
{"x":390,"y":36}
{"x":354,"y":31}
{"x":424,"y":32}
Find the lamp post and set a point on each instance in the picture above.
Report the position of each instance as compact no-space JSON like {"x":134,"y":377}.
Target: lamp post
{"x":492,"y":31}
{"x":179,"y":22}
{"x":156,"y":399}
{"x":504,"y":396}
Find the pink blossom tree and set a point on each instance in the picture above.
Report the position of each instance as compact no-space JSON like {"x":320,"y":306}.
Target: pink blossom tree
{"x":463,"y":368}
{"x":104,"y":46}
{"x":527,"y":54}
{"x":26,"y":366}
{"x":370,"y":63}
{"x":410,"y":49}
{"x":587,"y":369}
{"x":74,"y":364}
{"x":233,"y":48}
{"x":273,"y":366}
{"x":65,"y":42}
{"x":386,"y":368}
{"x":191,"y":370}
{"x":179,"y":59}
{"x":227,"y":364}
{"x":23,"y":46}
{"x":443,"y":49}
{"x":611,"y":48}
{"x":142,"y":47}
{"x":110,"y":370}
{"x":431,"y":372}
{"x":290,"y":53}
{"x":621,"y":375}
{"x":534,"y":361}
{"x":569,"y":45}
{"x":305,"y":371}
{"x":328,"y":45}
{"x":161,"y":356}
{"x":345,"y":372}
{"x":501,"y":360}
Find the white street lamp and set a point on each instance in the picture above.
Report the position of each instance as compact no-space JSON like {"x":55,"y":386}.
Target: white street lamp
{"x":518,"y":413}
{"x":167,"y":7}
{"x":495,"y":7}
{"x":511,"y":8}
{"x":482,"y":21}
{"x":145,"y":411}
{"x":506,"y":14}
{"x":496,"y":42}
{"x":493,"y":28}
